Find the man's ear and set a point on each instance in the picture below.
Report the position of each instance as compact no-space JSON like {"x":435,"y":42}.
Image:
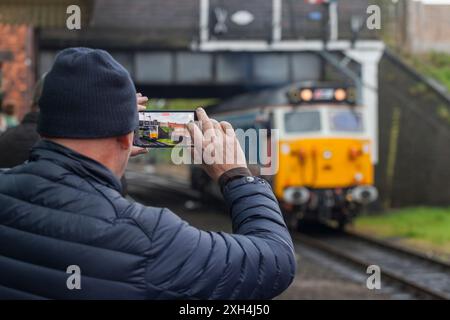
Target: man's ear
{"x":125,"y":141}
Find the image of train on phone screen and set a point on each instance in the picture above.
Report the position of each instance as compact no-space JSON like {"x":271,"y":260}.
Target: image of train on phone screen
{"x":162,"y":129}
{"x":326,"y":171}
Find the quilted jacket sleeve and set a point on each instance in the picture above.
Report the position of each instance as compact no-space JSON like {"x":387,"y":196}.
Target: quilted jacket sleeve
{"x":255,"y":262}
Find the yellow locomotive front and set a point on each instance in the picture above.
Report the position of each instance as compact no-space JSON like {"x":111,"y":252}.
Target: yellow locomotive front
{"x":325,"y":166}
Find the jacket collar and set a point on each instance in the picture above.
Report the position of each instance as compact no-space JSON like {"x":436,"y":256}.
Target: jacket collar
{"x":31,"y":117}
{"x":75,"y":162}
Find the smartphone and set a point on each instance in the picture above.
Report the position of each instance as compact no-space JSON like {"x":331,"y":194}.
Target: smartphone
{"x":163,"y":129}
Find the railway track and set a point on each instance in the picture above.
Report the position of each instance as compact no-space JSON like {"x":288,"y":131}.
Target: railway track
{"x":423,"y":276}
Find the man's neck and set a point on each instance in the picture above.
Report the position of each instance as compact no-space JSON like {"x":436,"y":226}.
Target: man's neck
{"x":99,"y":150}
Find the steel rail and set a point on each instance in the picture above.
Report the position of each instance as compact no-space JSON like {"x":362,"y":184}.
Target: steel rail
{"x":417,"y":288}
{"x":398,"y":248}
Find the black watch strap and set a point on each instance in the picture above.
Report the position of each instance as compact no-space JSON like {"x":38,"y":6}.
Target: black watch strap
{"x":232,"y":174}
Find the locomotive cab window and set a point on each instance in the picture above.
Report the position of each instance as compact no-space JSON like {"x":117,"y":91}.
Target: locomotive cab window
{"x":346,"y":121}
{"x":302,"y":121}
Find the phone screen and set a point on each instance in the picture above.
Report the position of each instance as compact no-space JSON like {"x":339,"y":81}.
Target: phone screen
{"x":163,"y":129}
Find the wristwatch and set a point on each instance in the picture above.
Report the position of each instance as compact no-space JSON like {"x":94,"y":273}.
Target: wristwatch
{"x":233,"y":174}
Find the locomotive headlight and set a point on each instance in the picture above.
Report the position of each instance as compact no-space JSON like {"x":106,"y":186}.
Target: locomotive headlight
{"x":364,"y":194}
{"x":340,"y":94}
{"x":358,"y":177}
{"x":306,"y":94}
{"x":296,"y":196}
{"x":327,"y":154}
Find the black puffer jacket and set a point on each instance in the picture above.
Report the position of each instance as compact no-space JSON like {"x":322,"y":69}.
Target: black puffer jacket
{"x":16,"y":143}
{"x":62,"y":209}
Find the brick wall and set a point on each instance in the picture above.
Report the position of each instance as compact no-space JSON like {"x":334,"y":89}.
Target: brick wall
{"x":428,"y":27}
{"x":17,"y":67}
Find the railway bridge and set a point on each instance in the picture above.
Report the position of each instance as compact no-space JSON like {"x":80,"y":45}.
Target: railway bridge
{"x":215,"y":48}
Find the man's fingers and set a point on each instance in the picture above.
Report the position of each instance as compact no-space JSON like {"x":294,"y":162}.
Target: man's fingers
{"x":194,"y":131}
{"x":137,"y":151}
{"x":141,"y":101}
{"x":197,"y":139}
{"x":204,"y":119}
{"x":217,"y":127}
{"x":227,"y":128}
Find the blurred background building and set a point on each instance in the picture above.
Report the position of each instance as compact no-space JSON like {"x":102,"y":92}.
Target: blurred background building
{"x":424,"y":24}
{"x":219,"y":48}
